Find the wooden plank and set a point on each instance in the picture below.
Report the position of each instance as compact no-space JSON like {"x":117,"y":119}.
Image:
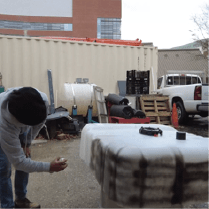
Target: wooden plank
{"x":149,"y":103}
{"x":152,"y":118}
{"x":142,"y":104}
{"x":156,"y":110}
{"x":165,"y":122}
{"x":164,"y":114}
{"x":149,"y":108}
{"x":151,"y":114}
{"x":154,"y":95}
{"x":161,"y":108}
{"x":163,"y":104}
{"x":148,"y":114}
{"x":154,"y":98}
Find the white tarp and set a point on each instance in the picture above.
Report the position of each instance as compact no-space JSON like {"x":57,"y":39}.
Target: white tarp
{"x":136,"y":170}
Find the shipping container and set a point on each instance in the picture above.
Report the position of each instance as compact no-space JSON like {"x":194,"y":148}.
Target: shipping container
{"x":24,"y":62}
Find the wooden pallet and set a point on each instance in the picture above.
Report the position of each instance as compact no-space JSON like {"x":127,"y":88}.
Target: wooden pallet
{"x":156,"y":107}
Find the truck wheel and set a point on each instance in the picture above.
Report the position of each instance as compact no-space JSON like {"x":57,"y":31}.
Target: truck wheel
{"x":182,"y":115}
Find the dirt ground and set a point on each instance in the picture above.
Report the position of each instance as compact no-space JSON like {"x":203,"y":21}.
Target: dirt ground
{"x":76,"y":186}
{"x":196,"y":125}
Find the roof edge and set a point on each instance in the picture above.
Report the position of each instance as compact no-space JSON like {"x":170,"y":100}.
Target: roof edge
{"x":195,"y":49}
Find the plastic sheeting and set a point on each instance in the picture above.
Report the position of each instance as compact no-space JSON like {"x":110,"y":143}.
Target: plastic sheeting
{"x":136,"y":170}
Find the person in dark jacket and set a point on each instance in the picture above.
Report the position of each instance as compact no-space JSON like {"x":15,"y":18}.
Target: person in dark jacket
{"x":23,"y":112}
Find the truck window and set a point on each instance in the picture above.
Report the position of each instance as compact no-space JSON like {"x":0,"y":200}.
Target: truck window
{"x":182,"y":80}
{"x":170,"y":80}
{"x":159,"y":82}
{"x":188,"y":80}
{"x":194,"y":80}
{"x":176,"y":80}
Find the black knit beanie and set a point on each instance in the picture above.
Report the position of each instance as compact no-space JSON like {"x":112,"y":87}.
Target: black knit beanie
{"x":27,"y":106}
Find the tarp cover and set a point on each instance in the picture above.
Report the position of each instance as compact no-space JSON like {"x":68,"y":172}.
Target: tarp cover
{"x":136,"y":170}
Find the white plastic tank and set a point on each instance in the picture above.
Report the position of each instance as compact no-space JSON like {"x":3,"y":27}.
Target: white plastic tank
{"x":143,"y":171}
{"x":78,"y":94}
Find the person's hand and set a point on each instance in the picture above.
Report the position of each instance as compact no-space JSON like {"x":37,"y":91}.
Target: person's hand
{"x":27,"y":151}
{"x":56,"y":165}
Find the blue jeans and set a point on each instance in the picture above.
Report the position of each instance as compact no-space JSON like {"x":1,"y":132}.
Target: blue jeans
{"x":21,"y":182}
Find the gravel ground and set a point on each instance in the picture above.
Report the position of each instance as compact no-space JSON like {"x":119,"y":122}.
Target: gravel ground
{"x":199,"y":126}
{"x":196,"y":125}
{"x":75,"y":187}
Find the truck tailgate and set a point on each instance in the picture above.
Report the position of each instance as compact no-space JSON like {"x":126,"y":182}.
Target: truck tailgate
{"x":205,"y":92}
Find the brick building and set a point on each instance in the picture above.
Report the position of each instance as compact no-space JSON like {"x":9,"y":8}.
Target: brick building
{"x":68,"y":18}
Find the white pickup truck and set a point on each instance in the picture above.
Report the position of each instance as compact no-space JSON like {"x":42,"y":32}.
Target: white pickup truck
{"x":188,"y":92}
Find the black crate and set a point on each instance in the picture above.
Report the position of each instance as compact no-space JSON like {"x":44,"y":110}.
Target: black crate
{"x":130,"y":81}
{"x":142,"y":74}
{"x":142,"y":84}
{"x":142,"y":89}
{"x":129,"y":87}
{"x":137,"y":82}
{"x":131,"y":74}
{"x":130,"y":90}
{"x":141,"y":80}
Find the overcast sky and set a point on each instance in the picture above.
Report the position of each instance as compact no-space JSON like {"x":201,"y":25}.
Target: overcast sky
{"x":165,"y":23}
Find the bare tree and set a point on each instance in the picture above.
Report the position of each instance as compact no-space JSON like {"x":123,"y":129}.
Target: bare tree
{"x":201,"y":32}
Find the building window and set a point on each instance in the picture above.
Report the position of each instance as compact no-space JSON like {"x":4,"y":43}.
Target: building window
{"x":109,"y":28}
{"x":68,"y":27}
{"x":4,"y":24}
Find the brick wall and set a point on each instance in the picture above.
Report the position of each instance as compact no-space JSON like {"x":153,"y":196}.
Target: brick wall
{"x":84,"y":20}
